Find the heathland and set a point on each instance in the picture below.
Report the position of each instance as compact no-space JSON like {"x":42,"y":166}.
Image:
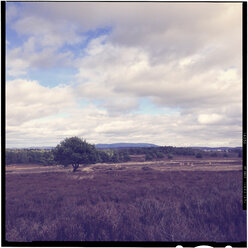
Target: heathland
{"x":134,"y":201}
{"x":128,"y":194}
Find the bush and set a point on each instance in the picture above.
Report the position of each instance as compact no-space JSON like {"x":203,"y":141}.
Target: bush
{"x":170,"y":156}
{"x":160,"y":155}
{"x":149,"y":156}
{"x":198,"y":155}
{"x":214,"y":154}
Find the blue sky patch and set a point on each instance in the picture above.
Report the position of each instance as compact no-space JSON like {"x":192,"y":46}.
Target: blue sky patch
{"x":51,"y":77}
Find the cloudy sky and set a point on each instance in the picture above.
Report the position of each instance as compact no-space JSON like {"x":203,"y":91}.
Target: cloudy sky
{"x":162,"y":73}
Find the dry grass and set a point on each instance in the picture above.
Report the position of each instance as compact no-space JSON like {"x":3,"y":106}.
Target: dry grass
{"x":125,"y":205}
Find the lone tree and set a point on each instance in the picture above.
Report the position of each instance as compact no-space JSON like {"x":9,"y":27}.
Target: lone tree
{"x":75,"y":151}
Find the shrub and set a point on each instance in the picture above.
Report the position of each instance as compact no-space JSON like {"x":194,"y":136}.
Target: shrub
{"x":149,"y":156}
{"x":225,"y":155}
{"x":198,"y":155}
{"x":214,"y":154}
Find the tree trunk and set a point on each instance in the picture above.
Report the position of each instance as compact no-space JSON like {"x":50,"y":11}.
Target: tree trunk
{"x":75,"y":167}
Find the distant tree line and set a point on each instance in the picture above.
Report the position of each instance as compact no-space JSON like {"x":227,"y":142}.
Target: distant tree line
{"x":79,"y":150}
{"x":152,"y":153}
{"x":26,"y":156}
{"x":160,"y":150}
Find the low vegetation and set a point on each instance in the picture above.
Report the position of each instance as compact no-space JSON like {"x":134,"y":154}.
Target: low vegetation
{"x":119,"y":206}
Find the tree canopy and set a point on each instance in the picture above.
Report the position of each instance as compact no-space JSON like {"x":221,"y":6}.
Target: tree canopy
{"x":75,"y":151}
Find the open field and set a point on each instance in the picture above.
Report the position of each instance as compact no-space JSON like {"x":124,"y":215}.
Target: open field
{"x":167,"y":165}
{"x":126,"y":202}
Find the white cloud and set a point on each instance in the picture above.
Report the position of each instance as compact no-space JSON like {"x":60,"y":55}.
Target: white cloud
{"x":16,"y":66}
{"x":209,"y":118}
{"x":99,"y":127}
{"x":176,"y":55}
{"x":28,"y":100}
{"x":43,"y":39}
{"x":47,"y":33}
{"x":20,"y":60}
{"x":115,"y":73}
{"x":165,"y":30}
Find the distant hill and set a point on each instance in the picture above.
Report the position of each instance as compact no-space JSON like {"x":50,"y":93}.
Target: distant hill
{"x":128,"y":145}
{"x":124,"y":145}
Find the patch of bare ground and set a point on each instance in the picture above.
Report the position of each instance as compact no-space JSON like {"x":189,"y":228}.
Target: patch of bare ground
{"x":82,"y":176}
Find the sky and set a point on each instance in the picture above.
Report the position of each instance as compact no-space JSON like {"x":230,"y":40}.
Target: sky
{"x":161,"y":73}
